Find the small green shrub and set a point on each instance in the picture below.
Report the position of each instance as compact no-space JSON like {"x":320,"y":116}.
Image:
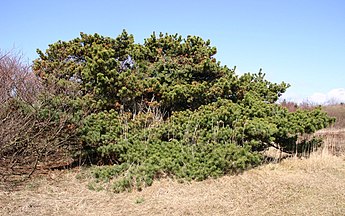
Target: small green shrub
{"x":139,"y":200}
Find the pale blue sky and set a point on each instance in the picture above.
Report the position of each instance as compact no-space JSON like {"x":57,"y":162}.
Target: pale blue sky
{"x":301,"y":42}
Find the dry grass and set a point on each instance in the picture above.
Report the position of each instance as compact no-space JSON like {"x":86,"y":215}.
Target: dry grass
{"x":337,"y":111}
{"x":334,"y":140}
{"x":313,"y":186}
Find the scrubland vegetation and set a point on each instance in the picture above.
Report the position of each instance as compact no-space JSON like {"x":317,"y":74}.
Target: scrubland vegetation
{"x":106,"y":126}
{"x":295,"y":186}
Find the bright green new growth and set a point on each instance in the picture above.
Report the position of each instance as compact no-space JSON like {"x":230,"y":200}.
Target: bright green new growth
{"x":167,"y":108}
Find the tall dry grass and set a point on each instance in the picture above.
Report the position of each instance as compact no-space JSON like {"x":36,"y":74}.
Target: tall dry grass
{"x":334,"y":140}
{"x":337,"y":111}
{"x":313,"y":185}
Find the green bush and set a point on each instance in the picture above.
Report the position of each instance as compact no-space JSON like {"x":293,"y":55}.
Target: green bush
{"x":167,"y":107}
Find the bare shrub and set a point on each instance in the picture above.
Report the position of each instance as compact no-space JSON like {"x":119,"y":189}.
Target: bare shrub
{"x":34,"y":140}
{"x":31,"y":134}
{"x":293,"y":106}
{"x":16,"y":78}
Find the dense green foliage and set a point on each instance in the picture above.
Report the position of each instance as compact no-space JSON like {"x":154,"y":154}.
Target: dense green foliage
{"x":166,"y":107}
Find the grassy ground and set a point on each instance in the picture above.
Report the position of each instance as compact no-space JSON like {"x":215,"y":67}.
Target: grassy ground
{"x":313,"y":186}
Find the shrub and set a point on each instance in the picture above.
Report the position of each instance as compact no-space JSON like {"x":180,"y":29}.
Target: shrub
{"x":35,"y":126}
{"x":167,"y":107}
